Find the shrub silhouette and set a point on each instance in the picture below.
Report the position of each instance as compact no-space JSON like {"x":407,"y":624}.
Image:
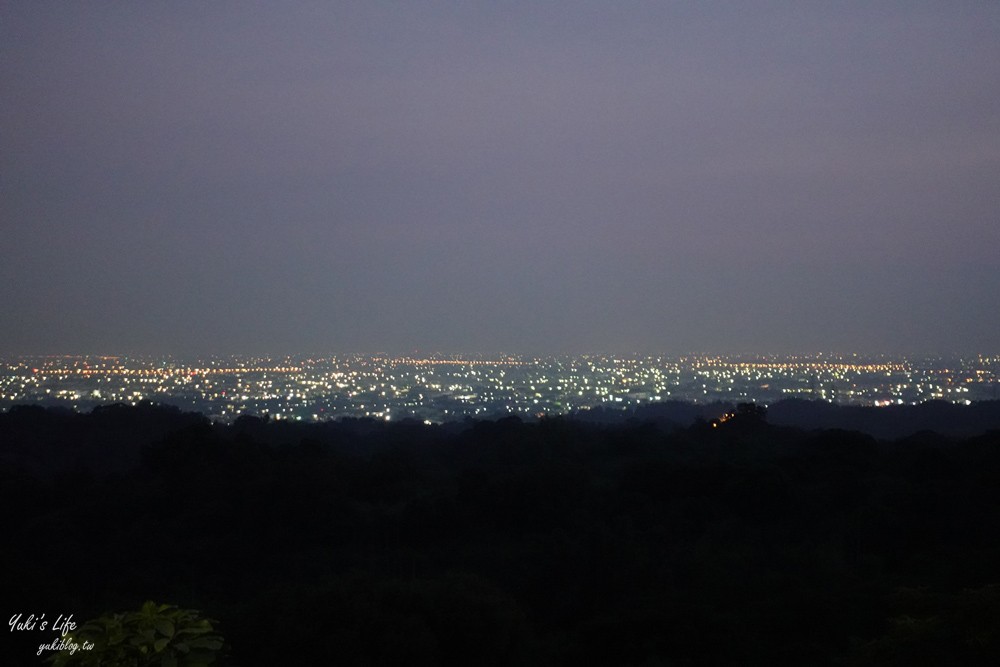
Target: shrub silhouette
{"x":156,"y":635}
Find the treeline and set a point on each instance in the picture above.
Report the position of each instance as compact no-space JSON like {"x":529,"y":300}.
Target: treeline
{"x":555,"y":542}
{"x":889,"y":422}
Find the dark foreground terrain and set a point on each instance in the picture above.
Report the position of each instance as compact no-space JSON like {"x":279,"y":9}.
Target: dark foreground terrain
{"x":507,"y":543}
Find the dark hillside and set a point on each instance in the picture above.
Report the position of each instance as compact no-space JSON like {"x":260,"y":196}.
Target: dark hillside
{"x":557,"y":542}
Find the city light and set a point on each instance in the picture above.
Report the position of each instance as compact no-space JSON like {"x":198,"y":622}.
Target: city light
{"x":437,"y":389}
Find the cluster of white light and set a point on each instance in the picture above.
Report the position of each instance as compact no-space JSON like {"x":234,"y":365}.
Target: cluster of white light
{"x":438,"y":388}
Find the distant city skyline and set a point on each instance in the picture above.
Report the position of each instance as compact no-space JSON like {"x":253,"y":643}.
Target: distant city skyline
{"x":764,"y":177}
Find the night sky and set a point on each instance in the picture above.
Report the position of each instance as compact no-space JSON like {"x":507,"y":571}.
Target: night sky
{"x":524,"y":177}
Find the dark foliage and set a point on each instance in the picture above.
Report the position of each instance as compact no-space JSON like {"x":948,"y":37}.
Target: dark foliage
{"x":556,"y":542}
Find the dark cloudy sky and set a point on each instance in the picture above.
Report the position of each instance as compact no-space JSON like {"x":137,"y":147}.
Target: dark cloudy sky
{"x":198,"y":177}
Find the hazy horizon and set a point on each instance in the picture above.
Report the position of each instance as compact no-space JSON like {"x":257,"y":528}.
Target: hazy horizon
{"x":500,"y":354}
